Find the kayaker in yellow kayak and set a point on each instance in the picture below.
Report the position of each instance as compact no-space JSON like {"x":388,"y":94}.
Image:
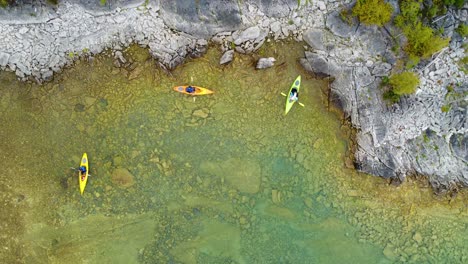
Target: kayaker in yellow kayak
{"x":82,"y":169}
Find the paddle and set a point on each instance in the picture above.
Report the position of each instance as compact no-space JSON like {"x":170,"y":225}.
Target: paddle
{"x":301,"y":104}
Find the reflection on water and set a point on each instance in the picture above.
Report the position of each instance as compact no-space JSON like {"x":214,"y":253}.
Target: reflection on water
{"x":225,"y":178}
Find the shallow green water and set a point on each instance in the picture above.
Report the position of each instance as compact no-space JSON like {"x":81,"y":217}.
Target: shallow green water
{"x":212,"y":179}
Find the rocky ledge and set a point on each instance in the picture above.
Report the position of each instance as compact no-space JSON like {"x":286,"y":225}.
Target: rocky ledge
{"x":425,"y":133}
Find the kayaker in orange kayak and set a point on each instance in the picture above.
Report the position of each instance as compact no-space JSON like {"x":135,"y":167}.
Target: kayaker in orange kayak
{"x":190,"y":89}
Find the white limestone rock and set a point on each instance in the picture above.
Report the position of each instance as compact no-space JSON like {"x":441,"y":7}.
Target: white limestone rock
{"x":227,"y":57}
{"x":264,"y":63}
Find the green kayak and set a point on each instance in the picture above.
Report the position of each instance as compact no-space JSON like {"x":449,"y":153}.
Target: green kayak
{"x":295,"y":86}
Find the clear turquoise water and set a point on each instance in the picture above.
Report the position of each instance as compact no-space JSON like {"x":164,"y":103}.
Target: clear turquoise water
{"x":225,"y":178}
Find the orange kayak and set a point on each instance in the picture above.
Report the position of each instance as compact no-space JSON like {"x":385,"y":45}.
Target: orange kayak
{"x":197,"y":90}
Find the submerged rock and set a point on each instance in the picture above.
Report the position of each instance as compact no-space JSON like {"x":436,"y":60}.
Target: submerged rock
{"x":135,"y":72}
{"x":275,"y":196}
{"x":201,"y":113}
{"x":211,"y":240}
{"x":242,"y":174}
{"x":389,"y":252}
{"x":418,"y":237}
{"x":79,"y":107}
{"x":122,"y":177}
{"x":100,"y":230}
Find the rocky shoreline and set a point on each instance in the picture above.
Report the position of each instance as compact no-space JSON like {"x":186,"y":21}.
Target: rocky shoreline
{"x":414,"y":136}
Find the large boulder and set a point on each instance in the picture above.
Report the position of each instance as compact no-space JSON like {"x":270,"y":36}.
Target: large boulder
{"x":276,"y":8}
{"x":375,"y":40}
{"x":122,"y":178}
{"x":314,"y":38}
{"x":264,"y":63}
{"x":227,"y":57}
{"x":339,"y":27}
{"x":317,"y":63}
{"x":201,"y":18}
{"x":4,"y":57}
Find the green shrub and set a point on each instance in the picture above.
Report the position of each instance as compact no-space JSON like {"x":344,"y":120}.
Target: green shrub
{"x":373,"y":12}
{"x":404,"y":83}
{"x":456,"y":3}
{"x":412,"y":61}
{"x":396,"y":48}
{"x":463,"y":63}
{"x":385,"y":80}
{"x":346,"y":16}
{"x":431,"y":11}
{"x":3,"y":3}
{"x":391,"y":96}
{"x":421,"y":41}
{"x":439,"y":5}
{"x":445,"y":108}
{"x":462,"y":30}
{"x":410,"y":13}
{"x":464,"y":60}
{"x":449,"y":88}
{"x":459,"y":3}
{"x":425,"y":138}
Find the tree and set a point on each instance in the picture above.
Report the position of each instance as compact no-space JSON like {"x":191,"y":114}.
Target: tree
{"x":410,"y":13}
{"x":421,"y":40}
{"x":404,"y":83}
{"x":3,"y":3}
{"x":373,"y":12}
{"x":462,"y":30}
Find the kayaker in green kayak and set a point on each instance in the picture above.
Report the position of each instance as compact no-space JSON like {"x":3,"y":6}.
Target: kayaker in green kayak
{"x":294,"y":95}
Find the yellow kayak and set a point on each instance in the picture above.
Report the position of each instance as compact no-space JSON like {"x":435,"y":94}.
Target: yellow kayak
{"x":196,"y":90}
{"x":83,"y":177}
